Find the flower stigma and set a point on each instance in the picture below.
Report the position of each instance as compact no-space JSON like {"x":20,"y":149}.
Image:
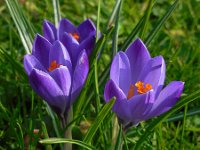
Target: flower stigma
{"x":53,"y":65}
{"x":75,"y":35}
{"x":141,"y":88}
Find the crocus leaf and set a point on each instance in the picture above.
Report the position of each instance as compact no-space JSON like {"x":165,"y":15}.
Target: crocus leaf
{"x":81,"y":99}
{"x":180,"y":116}
{"x":146,"y":19}
{"x":56,"y":9}
{"x":22,"y":23}
{"x":160,"y":23}
{"x":63,"y":140}
{"x":119,"y":139}
{"x":101,"y":116}
{"x":132,"y":34}
{"x":116,"y":30}
{"x":192,"y":97}
{"x":113,"y":14}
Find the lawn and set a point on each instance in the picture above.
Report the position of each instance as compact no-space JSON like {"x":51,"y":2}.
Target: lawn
{"x":169,"y":28}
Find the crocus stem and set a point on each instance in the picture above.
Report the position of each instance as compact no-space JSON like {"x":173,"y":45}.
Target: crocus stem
{"x":68,"y":132}
{"x":115,"y":131}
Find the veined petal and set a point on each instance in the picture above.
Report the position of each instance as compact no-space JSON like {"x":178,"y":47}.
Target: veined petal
{"x":65,"y":26}
{"x":154,"y":73}
{"x":30,"y":62}
{"x":166,"y":99}
{"x":45,"y":86}
{"x":86,"y":29}
{"x":63,"y":78}
{"x":138,"y":57}
{"x":88,"y":44}
{"x":121,"y":104}
{"x":72,"y":47}
{"x":120,"y":72}
{"x":80,"y":75}
{"x":49,"y":31}
{"x":60,"y":54}
{"x":41,"y":48}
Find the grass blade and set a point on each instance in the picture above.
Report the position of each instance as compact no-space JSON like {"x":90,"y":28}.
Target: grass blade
{"x":160,"y":23}
{"x":113,"y":14}
{"x":63,"y":140}
{"x":146,"y":19}
{"x":23,"y":25}
{"x":101,"y":116}
{"x":56,"y":8}
{"x":116,"y":29}
{"x":194,"y":96}
{"x":132,"y":35}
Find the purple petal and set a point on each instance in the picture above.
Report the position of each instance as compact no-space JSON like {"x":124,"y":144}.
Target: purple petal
{"x":45,"y":86}
{"x":154,"y":73}
{"x":88,"y":45}
{"x":65,"y":26}
{"x":30,"y":62}
{"x":86,"y":29}
{"x":80,"y":74}
{"x":49,"y":31}
{"x":121,"y":104}
{"x":120,"y":72}
{"x":72,"y":47}
{"x":60,"y":54}
{"x":41,"y":48}
{"x":138,"y":56}
{"x":63,"y":78}
{"x":140,"y":105}
{"x":167,"y":98}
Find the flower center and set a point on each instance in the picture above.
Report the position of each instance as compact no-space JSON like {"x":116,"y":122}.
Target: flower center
{"x":141,"y":88}
{"x":75,"y":35}
{"x":53,"y":65}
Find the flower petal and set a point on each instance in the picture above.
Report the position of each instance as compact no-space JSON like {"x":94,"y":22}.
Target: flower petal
{"x":59,"y":53}
{"x":41,"y":48}
{"x":49,"y":31}
{"x":72,"y":46}
{"x":138,"y":57}
{"x":45,"y":86}
{"x":120,"y":72}
{"x":140,"y":105}
{"x":88,"y":45}
{"x":86,"y":29}
{"x":121,"y":104}
{"x":65,"y":26}
{"x":30,"y":62}
{"x":154,"y":73}
{"x":80,"y":75}
{"x":167,"y":98}
{"x":63,"y":78}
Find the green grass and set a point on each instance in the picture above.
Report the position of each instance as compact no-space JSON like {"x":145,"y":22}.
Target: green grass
{"x":22,"y":111}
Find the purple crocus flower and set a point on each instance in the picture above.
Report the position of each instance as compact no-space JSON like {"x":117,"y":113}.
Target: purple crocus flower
{"x":136,"y":80}
{"x":81,"y":37}
{"x":59,"y":65}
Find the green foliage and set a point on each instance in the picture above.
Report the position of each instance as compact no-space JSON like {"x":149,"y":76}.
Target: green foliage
{"x":168,"y":27}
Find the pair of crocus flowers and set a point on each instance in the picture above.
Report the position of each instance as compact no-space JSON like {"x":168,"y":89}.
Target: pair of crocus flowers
{"x":58,"y":68}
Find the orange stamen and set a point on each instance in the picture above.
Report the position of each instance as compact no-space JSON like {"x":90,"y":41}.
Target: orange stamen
{"x":75,"y":35}
{"x":130,"y":92}
{"x":53,"y":65}
{"x":141,"y":88}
